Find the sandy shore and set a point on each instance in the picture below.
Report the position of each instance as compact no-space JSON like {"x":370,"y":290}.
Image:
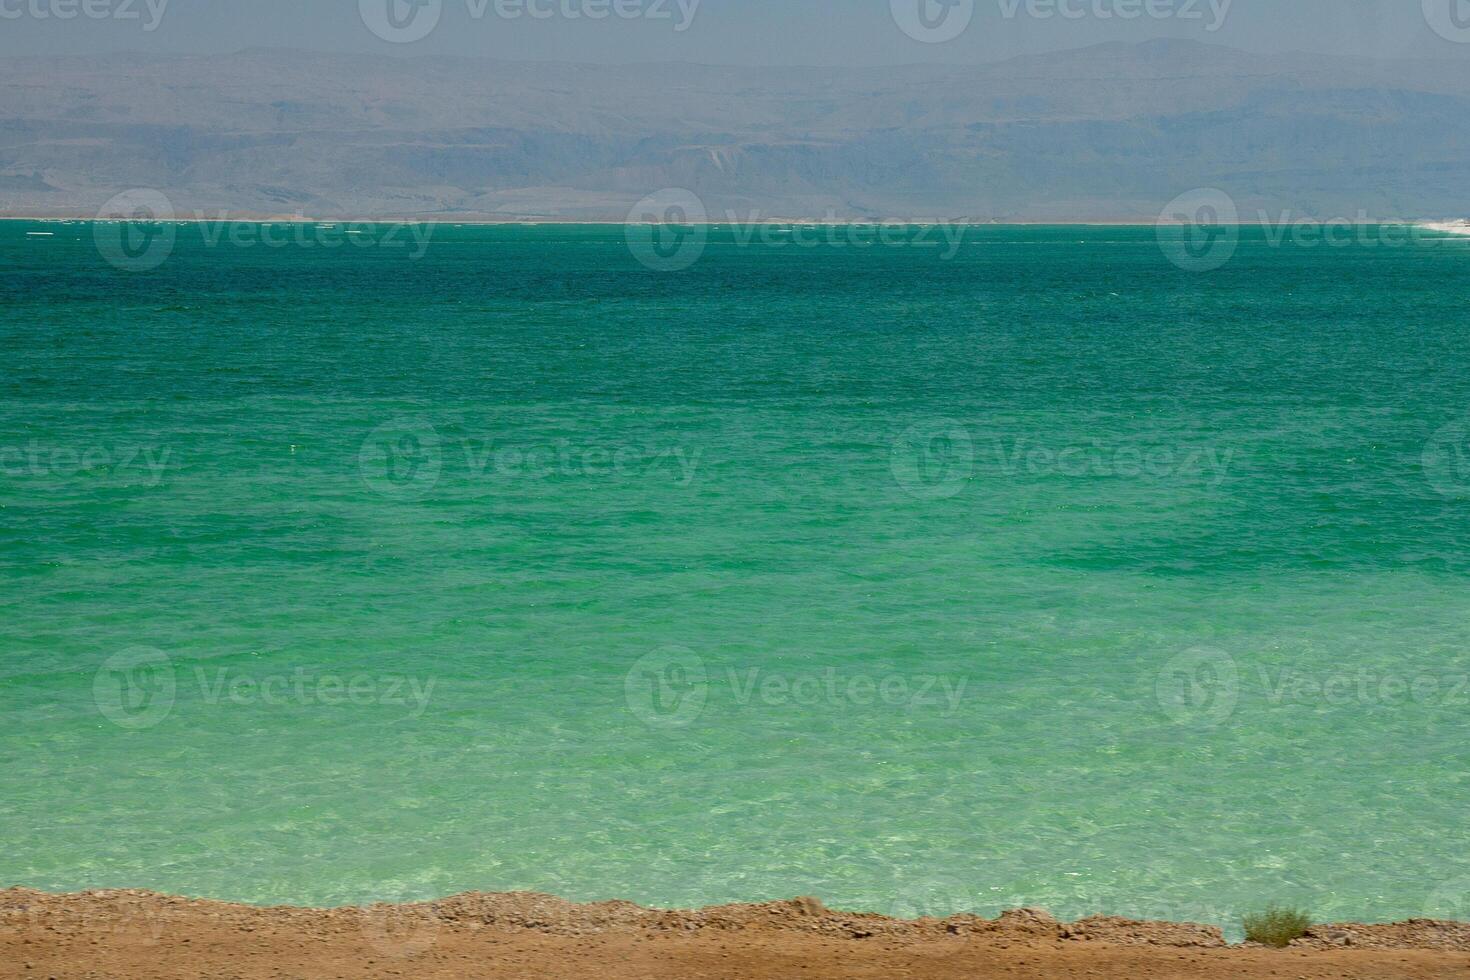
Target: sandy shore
{"x":125,"y":934}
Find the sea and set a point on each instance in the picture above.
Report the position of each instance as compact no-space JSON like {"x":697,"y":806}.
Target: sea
{"x":923,"y":570}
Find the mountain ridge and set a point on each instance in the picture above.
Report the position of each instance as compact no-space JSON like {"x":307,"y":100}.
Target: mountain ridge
{"x":1107,"y":131}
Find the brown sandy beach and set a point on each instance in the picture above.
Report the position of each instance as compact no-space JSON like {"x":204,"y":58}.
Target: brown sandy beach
{"x":126,"y":934}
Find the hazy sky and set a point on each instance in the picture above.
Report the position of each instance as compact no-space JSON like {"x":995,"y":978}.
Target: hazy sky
{"x":743,"y":32}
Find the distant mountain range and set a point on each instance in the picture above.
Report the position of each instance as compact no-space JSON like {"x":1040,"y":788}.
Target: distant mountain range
{"x":1106,"y":132}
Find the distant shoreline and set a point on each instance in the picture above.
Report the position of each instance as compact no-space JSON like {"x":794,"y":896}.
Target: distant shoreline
{"x":612,"y":223}
{"x":1461,"y":227}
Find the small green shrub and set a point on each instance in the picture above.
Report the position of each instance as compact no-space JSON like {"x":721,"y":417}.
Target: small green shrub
{"x":1276,"y":926}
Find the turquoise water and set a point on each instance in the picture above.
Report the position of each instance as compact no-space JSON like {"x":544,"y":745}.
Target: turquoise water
{"x":1047,"y":573}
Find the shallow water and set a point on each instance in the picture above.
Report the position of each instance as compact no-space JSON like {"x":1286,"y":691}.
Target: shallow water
{"x":1047,"y":573}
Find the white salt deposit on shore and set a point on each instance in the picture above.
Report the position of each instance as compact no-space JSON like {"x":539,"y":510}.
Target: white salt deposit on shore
{"x":1461,"y":227}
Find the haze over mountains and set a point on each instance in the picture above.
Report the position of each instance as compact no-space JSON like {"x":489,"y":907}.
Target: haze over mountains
{"x":1108,"y":132}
